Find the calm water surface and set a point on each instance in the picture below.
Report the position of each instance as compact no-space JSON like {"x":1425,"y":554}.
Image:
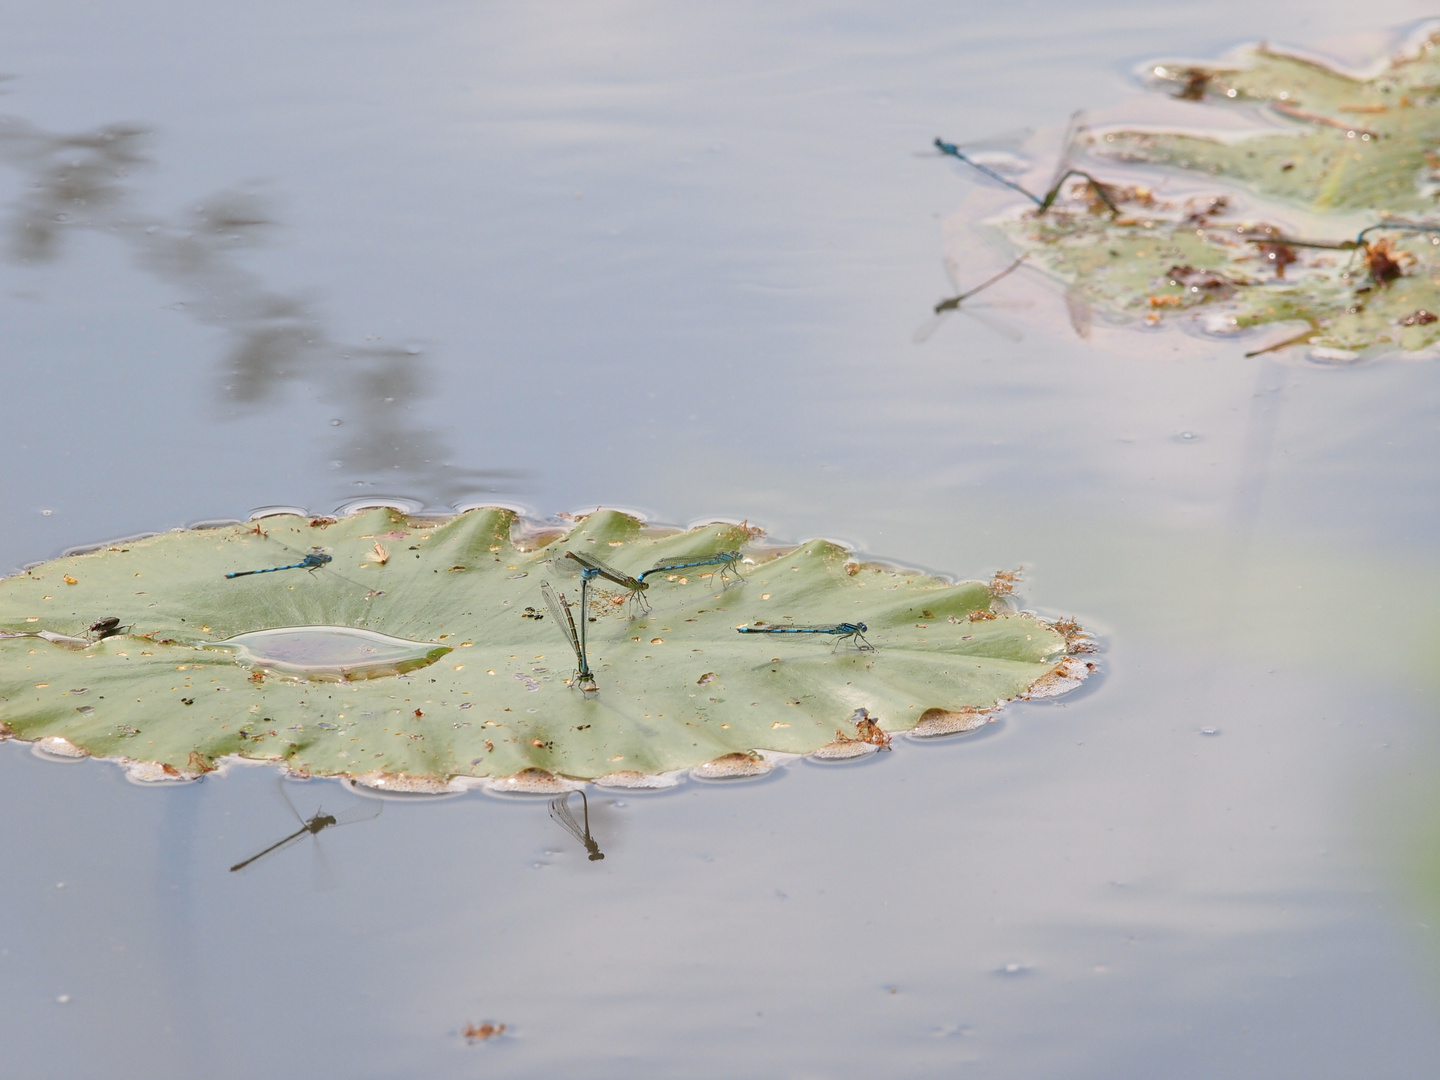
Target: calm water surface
{"x":671,"y":259}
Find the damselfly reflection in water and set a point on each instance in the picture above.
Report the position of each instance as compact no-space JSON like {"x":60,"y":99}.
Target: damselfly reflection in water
{"x":1064,"y":170}
{"x":560,"y":612}
{"x":945,"y":307}
{"x":313,"y":826}
{"x":727,"y":561}
{"x":560,"y":811}
{"x":852,"y":631}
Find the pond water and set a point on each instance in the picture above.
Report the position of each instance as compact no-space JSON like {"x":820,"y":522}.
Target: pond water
{"x":671,"y":259}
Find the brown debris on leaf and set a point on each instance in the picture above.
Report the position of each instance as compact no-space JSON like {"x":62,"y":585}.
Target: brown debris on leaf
{"x":1003,"y":583}
{"x":1201,"y":282}
{"x":480,"y":1032}
{"x":1070,"y":674}
{"x":1279,"y":256}
{"x":867,"y":729}
{"x":868,"y":737}
{"x":732,"y":766}
{"x":1385,"y":262}
{"x":1077,"y":640}
{"x":981,"y":615}
{"x":1193,"y":82}
{"x":1420,"y":317}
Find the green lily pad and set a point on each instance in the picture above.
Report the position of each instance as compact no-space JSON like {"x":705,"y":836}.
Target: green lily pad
{"x":1348,"y":145}
{"x":422,"y":653}
{"x":1153,"y":264}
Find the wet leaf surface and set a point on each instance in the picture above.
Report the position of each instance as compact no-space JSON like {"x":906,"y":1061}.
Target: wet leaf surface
{"x":409,"y":671}
{"x":1334,"y":150}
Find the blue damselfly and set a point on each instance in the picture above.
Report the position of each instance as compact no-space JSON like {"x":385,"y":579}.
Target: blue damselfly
{"x":727,"y":561}
{"x":852,"y":630}
{"x":1063,"y":171}
{"x":313,"y":561}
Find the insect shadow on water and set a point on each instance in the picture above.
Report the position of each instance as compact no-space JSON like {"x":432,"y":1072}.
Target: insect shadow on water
{"x":945,"y":307}
{"x":1064,"y":170}
{"x":560,"y":811}
{"x":313,"y":826}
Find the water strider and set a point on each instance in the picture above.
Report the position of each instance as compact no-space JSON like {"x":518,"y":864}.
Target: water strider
{"x":560,"y":811}
{"x":560,"y":611}
{"x":728,"y":561}
{"x":852,"y":630}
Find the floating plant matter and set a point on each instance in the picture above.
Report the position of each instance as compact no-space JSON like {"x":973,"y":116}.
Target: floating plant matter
{"x":1325,"y":220}
{"x":442,"y":661}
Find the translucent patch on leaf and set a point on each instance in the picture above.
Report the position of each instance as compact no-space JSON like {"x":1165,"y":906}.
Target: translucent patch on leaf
{"x":56,"y":748}
{"x":1068,"y":676}
{"x":935,"y":722}
{"x":844,"y":749}
{"x":331,"y":653}
{"x":732,"y":767}
{"x":149,"y":773}
{"x":403,"y":784}
{"x":631,"y":779}
{"x":531,"y":781}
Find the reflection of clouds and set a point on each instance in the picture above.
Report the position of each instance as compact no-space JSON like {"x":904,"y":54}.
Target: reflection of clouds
{"x":79,"y":182}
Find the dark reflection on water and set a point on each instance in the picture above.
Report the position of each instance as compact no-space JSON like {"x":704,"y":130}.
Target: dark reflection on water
{"x":84,"y":181}
{"x":313,"y":826}
{"x":560,"y":811}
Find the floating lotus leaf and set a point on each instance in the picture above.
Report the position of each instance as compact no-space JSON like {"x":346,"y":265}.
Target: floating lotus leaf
{"x":422,"y":651}
{"x":1348,"y":144}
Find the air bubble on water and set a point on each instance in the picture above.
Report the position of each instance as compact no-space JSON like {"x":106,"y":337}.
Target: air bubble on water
{"x":336,"y":423}
{"x":46,"y":513}
{"x":1209,"y":731}
{"x":1187,"y":435}
{"x":63,"y":999}
{"x":412,"y":350}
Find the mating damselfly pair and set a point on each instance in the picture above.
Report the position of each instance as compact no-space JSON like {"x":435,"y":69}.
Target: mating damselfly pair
{"x":592,"y":568}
